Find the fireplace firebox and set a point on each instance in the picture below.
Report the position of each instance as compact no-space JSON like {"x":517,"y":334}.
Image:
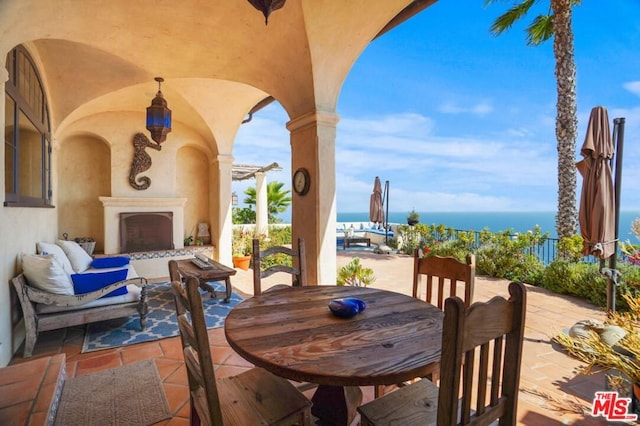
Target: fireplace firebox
{"x":146,"y":231}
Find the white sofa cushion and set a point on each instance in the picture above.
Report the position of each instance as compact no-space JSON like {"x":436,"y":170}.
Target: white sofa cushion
{"x":58,"y":253}
{"x":133,"y":295}
{"x":45,"y":273}
{"x":79,"y":259}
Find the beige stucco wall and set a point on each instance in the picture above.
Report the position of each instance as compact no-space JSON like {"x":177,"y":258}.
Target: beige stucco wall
{"x":84,"y":167}
{"x":193,"y":184}
{"x":84,"y":175}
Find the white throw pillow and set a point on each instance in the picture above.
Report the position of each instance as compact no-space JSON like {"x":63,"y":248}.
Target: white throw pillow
{"x":80,"y":259}
{"x":58,"y":254}
{"x":44,"y":272}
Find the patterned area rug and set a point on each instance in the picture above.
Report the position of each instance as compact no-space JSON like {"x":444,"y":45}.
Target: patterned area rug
{"x":161,"y":320}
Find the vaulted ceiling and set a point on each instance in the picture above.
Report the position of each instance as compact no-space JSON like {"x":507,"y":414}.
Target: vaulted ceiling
{"x":218,"y":58}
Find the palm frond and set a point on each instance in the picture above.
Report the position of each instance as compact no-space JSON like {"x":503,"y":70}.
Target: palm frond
{"x":623,"y":356}
{"x":490,"y":2}
{"x":540,"y":30}
{"x":507,"y":19}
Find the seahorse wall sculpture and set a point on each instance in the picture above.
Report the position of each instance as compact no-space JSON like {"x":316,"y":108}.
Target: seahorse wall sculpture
{"x":141,"y":161}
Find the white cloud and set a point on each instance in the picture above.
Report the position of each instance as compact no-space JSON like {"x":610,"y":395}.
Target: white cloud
{"x":512,"y":169}
{"x":633,"y":87}
{"x":392,"y":124}
{"x":482,"y":108}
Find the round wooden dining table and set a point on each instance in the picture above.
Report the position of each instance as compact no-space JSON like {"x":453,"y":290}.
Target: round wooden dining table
{"x":292,"y":333}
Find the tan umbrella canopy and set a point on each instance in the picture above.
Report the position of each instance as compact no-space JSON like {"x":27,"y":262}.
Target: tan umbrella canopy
{"x":376,"y":213}
{"x":597,"y":213}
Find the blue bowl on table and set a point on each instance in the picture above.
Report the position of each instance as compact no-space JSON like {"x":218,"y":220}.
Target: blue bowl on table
{"x":347,"y":307}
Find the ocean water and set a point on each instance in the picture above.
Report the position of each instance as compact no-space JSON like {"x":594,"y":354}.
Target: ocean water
{"x":495,"y":221}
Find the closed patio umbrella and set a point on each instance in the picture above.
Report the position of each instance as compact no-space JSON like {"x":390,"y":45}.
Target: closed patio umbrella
{"x":597,"y":200}
{"x":376,"y":213}
{"x":597,"y":212}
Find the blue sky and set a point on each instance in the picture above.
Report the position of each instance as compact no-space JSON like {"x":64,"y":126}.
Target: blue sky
{"x":459,"y":120}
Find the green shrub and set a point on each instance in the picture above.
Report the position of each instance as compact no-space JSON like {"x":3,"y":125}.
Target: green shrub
{"x":562,"y":276}
{"x":278,"y":236}
{"x":411,"y":238}
{"x":510,"y":256}
{"x":585,"y":281}
{"x":354,"y":274}
{"x":570,"y":248}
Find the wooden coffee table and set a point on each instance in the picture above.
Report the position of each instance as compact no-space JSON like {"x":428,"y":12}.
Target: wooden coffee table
{"x":219,"y":272}
{"x":349,"y":241}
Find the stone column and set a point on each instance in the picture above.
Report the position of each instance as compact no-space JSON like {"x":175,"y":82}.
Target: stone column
{"x":313,"y":215}
{"x":262,"y":204}
{"x":220,"y":208}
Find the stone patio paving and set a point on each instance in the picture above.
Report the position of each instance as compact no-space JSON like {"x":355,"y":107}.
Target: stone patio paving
{"x":551,"y":391}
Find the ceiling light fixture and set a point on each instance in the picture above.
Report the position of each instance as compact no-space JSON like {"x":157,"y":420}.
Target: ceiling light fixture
{"x":159,"y":116}
{"x":267,"y":6}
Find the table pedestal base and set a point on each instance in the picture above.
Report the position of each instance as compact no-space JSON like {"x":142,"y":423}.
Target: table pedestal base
{"x":336,"y":405}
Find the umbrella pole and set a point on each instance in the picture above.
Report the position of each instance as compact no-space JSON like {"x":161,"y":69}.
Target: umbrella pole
{"x":385,"y":202}
{"x":618,"y":135}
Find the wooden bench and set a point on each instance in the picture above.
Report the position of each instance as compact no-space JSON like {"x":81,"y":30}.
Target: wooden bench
{"x":72,"y":310}
{"x":349,"y":241}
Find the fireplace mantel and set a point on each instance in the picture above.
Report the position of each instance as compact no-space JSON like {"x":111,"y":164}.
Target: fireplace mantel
{"x":113,"y":206}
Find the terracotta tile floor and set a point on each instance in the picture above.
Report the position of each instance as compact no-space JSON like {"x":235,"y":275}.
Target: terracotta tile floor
{"x":549,"y":386}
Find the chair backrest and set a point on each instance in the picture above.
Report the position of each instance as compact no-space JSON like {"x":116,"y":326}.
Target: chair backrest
{"x":197,"y":353}
{"x":442,"y":277}
{"x":174,"y":273}
{"x":298,"y":270}
{"x":482,"y":342}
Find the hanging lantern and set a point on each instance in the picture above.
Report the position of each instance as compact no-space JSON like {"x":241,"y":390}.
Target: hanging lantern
{"x":159,"y":116}
{"x":267,"y":6}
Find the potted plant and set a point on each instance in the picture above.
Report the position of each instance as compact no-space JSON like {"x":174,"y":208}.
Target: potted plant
{"x":413,"y":218}
{"x":241,"y":247}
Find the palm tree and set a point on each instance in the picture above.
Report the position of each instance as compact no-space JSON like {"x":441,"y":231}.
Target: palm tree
{"x":556,"y":23}
{"x":278,"y":201}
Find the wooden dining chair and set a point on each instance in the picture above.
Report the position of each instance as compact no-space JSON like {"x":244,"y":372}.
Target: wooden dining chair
{"x":255,"y":397}
{"x":442,"y":276}
{"x":298,"y":270}
{"x":174,"y":273}
{"x":480,"y":372}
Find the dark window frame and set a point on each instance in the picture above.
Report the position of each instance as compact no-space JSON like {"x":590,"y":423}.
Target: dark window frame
{"x":39,"y":119}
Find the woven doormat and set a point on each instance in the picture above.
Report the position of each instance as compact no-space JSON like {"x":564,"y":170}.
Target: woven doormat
{"x":131,"y":395}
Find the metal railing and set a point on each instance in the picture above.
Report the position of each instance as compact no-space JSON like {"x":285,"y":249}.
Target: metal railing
{"x":546,"y":251}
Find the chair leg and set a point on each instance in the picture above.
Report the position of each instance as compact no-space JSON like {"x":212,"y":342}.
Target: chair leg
{"x":378,"y":391}
{"x":29,"y":343}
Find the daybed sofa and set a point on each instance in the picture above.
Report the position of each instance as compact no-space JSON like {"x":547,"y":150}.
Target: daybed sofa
{"x":62,"y":286}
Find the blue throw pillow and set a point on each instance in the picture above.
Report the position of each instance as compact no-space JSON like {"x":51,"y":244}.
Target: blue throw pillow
{"x":109,"y":262}
{"x":86,"y":283}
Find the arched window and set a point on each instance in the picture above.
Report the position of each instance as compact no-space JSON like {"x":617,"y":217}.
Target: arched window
{"x":27,"y":135}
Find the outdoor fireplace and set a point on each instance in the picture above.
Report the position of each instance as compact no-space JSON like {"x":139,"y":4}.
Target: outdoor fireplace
{"x":146,"y":231}
{"x":156,"y":223}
